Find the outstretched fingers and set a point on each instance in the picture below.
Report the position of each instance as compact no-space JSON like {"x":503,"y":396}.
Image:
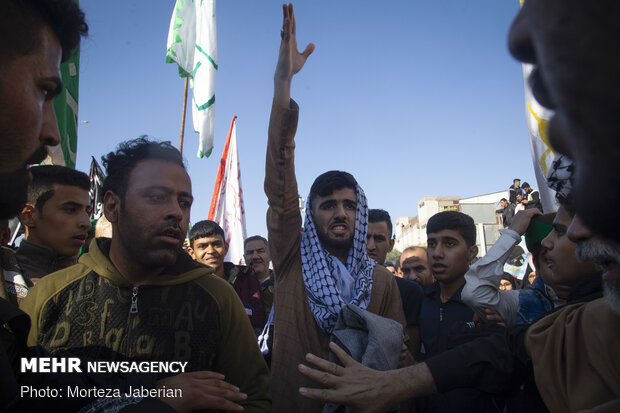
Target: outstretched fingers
{"x":324,"y":376}
{"x":291,"y":14}
{"x":323,"y":395}
{"x":342,"y":355}
{"x":308,"y":50}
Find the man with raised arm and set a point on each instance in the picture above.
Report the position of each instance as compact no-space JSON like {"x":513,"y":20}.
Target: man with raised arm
{"x":326,"y":267}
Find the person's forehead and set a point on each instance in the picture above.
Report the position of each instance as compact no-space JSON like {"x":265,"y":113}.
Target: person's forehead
{"x":342,"y":194}
{"x":156,"y":172}
{"x":48,"y":53}
{"x":379,"y":227}
{"x":209,"y":240}
{"x":445,"y":234}
{"x":255,"y":245}
{"x":69,"y":193}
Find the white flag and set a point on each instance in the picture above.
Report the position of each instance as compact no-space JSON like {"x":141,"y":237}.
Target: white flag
{"x":537,"y":118}
{"x":192,"y":44}
{"x":227,"y":207}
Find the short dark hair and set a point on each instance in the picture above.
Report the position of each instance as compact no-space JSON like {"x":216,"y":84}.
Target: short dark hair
{"x":325,"y":184}
{"x":22,"y":21}
{"x":456,"y":221}
{"x":380,"y":215}
{"x":119,"y":164}
{"x":255,"y":238}
{"x":205,"y":229}
{"x":503,"y":199}
{"x":515,"y":180}
{"x":44,"y":177}
{"x":525,"y":185}
{"x":566,"y":201}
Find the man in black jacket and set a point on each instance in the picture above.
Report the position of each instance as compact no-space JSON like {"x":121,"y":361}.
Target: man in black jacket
{"x":532,"y":197}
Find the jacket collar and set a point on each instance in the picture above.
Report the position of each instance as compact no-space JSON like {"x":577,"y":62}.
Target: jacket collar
{"x":41,"y":257}
{"x":434,"y":291}
{"x":182,"y":270}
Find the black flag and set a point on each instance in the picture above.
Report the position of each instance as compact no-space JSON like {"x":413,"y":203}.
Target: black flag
{"x":96,"y":176}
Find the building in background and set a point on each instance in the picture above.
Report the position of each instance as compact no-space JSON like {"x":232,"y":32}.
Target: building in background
{"x":411,"y":231}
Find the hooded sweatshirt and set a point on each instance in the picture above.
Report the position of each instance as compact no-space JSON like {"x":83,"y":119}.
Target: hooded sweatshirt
{"x":184,"y":314}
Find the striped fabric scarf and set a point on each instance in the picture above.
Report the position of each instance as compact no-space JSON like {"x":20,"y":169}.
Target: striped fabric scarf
{"x":322,"y":271}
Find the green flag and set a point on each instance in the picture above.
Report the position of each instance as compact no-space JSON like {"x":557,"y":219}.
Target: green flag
{"x":192,"y":45}
{"x":66,"y":107}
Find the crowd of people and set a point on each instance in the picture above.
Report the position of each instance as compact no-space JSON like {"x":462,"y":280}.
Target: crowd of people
{"x":316,"y":319}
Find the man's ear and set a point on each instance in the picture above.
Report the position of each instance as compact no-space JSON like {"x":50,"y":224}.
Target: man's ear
{"x":111,"y":206}
{"x":225,"y":248}
{"x":473,"y":252}
{"x":190,"y":251}
{"x":28,"y":215}
{"x":391,"y":242}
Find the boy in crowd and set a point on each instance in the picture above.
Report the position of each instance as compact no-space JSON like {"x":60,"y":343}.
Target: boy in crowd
{"x":451,"y":247}
{"x":208,"y":246}
{"x":56,"y":218}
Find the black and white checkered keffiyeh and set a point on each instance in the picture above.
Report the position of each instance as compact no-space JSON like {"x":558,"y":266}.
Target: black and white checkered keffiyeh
{"x":322,"y":271}
{"x":561,"y":175}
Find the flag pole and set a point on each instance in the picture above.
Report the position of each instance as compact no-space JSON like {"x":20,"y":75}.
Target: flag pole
{"x":183,"y":116}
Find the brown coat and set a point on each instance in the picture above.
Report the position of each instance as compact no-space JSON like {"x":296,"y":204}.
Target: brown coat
{"x":296,"y":331}
{"x":576,"y":359}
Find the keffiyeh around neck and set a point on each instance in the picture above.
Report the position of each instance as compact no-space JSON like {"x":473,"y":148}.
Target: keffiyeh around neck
{"x":323,"y":276}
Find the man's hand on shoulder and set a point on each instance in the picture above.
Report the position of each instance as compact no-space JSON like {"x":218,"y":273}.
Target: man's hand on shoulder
{"x":202,"y":390}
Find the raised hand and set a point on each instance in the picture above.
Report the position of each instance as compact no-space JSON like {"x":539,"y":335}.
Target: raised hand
{"x":290,"y":61}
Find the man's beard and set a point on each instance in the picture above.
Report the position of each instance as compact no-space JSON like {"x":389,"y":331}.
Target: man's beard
{"x":135,"y":241}
{"x":14,"y":186}
{"x":334,"y":244}
{"x":607,"y":255}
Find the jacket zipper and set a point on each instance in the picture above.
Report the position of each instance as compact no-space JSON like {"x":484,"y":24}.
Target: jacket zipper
{"x":132,"y":310}
{"x":134,"y":301}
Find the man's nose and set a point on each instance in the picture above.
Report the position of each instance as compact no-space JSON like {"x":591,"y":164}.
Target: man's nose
{"x":49,"y":126}
{"x":175,"y":211}
{"x":370,"y":244}
{"x":438,"y":251}
{"x":520,"y":41}
{"x":340,"y":211}
{"x":84,"y":221}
